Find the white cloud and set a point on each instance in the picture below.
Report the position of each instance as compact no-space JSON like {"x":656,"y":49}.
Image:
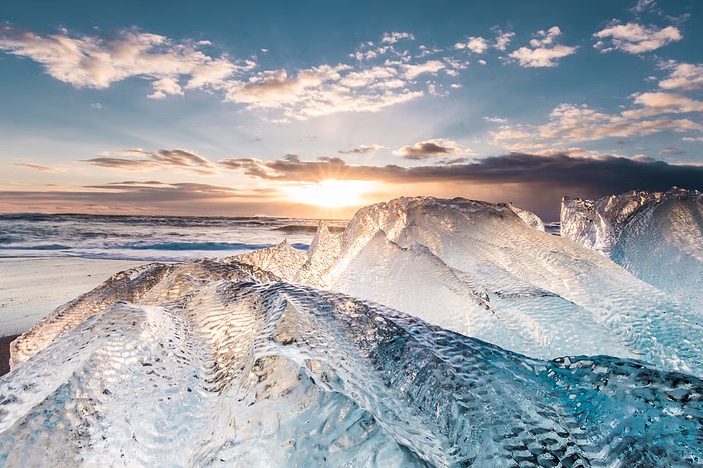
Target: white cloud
{"x":96,"y":62}
{"x":503,"y":40}
{"x":392,"y":38}
{"x":96,"y":105}
{"x":543,"y":51}
{"x":482,"y":62}
{"x":634,"y":38}
{"x":691,"y":139}
{"x":432,"y":66}
{"x":477,"y":45}
{"x":494,"y":119}
{"x":571,"y":123}
{"x":684,"y":76}
{"x":165,"y":86}
{"x":322,"y":90}
{"x":663,"y":103}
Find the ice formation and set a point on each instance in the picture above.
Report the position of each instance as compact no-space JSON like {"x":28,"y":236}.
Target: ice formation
{"x":476,"y":268}
{"x":212,"y":363}
{"x":658,"y":237}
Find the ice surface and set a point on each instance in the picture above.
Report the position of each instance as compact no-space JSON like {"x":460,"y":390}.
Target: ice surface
{"x":532,"y":220}
{"x":658,"y":237}
{"x":212,"y":364}
{"x":476,"y":268}
{"x":598,"y":224}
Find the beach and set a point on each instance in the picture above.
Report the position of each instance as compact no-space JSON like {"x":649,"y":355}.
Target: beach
{"x":31,"y":288}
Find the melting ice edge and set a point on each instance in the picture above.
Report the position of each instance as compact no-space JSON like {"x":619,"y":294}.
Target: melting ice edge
{"x":285,"y":358}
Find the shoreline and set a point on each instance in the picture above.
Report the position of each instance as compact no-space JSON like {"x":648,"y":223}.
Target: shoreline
{"x":32,"y":287}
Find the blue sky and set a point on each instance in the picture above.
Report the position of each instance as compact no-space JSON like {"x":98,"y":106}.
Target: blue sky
{"x":224,"y":108}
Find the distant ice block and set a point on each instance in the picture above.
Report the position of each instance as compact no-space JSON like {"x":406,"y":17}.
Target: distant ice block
{"x":214,"y":364}
{"x":657,"y":237}
{"x":532,"y":220}
{"x":478,"y":269}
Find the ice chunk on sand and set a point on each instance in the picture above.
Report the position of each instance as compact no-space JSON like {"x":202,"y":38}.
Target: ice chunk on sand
{"x":211,"y":367}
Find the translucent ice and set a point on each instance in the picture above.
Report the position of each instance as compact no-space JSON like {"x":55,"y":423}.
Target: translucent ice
{"x":209,"y":366}
{"x":476,"y":268}
{"x":658,"y":237}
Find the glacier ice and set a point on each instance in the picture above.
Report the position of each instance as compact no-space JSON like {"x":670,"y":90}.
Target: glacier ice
{"x":478,"y":269}
{"x":658,"y":237}
{"x":214,"y":363}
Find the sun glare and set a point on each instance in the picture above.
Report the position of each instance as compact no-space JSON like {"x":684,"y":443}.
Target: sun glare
{"x":330,"y":193}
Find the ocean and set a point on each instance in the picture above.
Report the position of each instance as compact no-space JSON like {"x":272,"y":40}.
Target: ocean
{"x":149,"y":238}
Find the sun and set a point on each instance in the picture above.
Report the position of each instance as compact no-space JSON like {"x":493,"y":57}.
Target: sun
{"x":330,"y":193}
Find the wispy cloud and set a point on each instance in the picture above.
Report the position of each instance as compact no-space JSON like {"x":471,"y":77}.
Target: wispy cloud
{"x":571,"y":123}
{"x":361,"y":149}
{"x":40,"y":168}
{"x":97,"y":62}
{"x":429,"y":149}
{"x":392,"y":38}
{"x":139,"y":160}
{"x":670,"y":150}
{"x":634,"y":38}
{"x":543,"y":51}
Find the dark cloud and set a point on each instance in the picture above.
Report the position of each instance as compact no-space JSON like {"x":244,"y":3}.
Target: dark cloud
{"x":670,"y":150}
{"x":139,"y":160}
{"x":605,"y":172}
{"x":531,"y":181}
{"x":427,"y":149}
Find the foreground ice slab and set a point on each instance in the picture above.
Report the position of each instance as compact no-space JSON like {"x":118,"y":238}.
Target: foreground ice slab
{"x":478,"y":269}
{"x":206,"y":365}
{"x":658,"y":237}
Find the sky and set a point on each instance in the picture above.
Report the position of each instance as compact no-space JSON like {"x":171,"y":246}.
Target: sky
{"x":315,"y":108}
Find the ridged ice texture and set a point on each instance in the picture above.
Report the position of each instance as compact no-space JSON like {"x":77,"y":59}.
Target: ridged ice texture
{"x":282,"y":260}
{"x":658,"y":237}
{"x":532,"y":220}
{"x":598,"y":224}
{"x":478,"y":269}
{"x":237,"y":373}
{"x":663,"y":245}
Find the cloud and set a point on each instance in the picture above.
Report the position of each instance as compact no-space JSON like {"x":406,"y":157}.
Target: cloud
{"x":542,"y":51}
{"x":503,"y":39}
{"x":164,"y":87}
{"x":86,"y":61}
{"x":139,"y":160}
{"x":428,"y":149}
{"x":670,"y":150}
{"x":380,"y":77}
{"x":392,"y":38}
{"x":643,"y":5}
{"x":361,"y":149}
{"x":683,"y":76}
{"x":40,"y":168}
{"x":599,"y":176}
{"x":634,"y":38}
{"x":663,"y":103}
{"x":690,"y":139}
{"x":432,"y":66}
{"x":494,"y":119}
{"x":96,"y":105}
{"x":324,"y":90}
{"x":571,"y":123}
{"x":477,"y":45}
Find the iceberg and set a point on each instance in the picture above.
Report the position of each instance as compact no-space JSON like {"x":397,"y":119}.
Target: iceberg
{"x":658,"y":237}
{"x":479,"y":269}
{"x":218,"y":363}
